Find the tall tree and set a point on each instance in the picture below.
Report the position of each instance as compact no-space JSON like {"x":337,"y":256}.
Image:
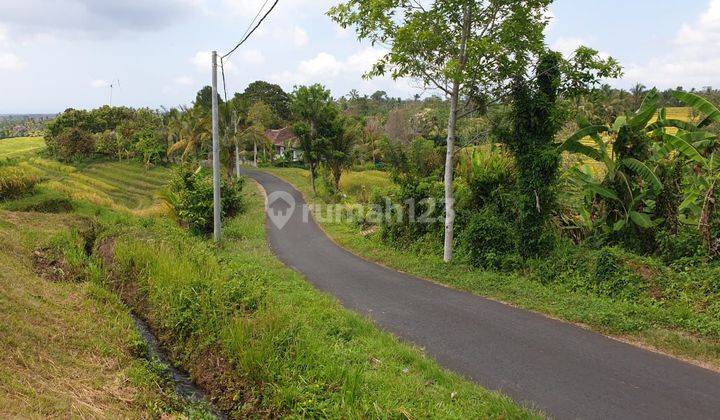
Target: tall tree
{"x":271,"y":94}
{"x":203,"y":99}
{"x":465,"y":48}
{"x":314,"y":108}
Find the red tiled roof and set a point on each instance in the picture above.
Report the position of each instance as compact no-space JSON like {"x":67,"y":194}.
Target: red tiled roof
{"x":281,"y":137}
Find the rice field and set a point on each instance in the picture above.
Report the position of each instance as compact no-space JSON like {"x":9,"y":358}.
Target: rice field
{"x":120,"y":185}
{"x":18,"y":147}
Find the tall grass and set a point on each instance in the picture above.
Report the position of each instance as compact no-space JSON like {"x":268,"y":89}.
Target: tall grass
{"x":16,"y":181}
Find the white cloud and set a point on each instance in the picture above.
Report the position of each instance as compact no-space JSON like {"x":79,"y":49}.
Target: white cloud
{"x":184,"y":80}
{"x":254,"y":57}
{"x":10,"y":61}
{"x":4,"y":37}
{"x":324,"y":67}
{"x":567,"y":46}
{"x":692,"y":60}
{"x":323,"y":64}
{"x":299,"y":36}
{"x":99,"y":83}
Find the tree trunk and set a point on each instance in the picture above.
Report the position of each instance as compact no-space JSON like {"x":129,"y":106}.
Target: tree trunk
{"x":312,"y":179}
{"x":449,"y":154}
{"x":449,"y":166}
{"x":255,"y":153}
{"x":237,"y":160}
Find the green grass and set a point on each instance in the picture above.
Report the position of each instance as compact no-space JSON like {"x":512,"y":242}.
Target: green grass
{"x":126,"y":185}
{"x":70,"y":349}
{"x":296,"y":351}
{"x":19,"y":147}
{"x":685,"y":323}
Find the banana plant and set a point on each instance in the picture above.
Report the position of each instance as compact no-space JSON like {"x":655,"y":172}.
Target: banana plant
{"x":698,"y":147}
{"x":629,"y":183}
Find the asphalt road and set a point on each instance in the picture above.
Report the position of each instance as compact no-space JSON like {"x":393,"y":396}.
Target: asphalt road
{"x":564,"y":370}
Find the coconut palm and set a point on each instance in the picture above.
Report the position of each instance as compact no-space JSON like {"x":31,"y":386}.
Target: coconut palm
{"x":193,"y":134}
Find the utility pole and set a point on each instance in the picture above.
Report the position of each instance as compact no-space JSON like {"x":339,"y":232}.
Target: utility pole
{"x":217,"y":224}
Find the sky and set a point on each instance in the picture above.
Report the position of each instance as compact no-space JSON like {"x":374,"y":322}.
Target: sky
{"x":56,"y":54}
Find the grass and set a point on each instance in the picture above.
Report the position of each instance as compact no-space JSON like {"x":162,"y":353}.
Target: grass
{"x":19,"y":147}
{"x":292,"y":350}
{"x":69,"y":347}
{"x":685,"y":324}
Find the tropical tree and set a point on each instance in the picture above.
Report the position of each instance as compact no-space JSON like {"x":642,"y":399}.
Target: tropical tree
{"x":467,"y":49}
{"x":192,"y":134}
{"x":698,"y":148}
{"x":313,"y":107}
{"x":621,"y":194}
{"x":336,"y":152}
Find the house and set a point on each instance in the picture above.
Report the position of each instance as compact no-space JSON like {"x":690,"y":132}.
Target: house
{"x":285,"y":143}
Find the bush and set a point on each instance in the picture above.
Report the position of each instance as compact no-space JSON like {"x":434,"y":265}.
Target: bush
{"x":72,"y":143}
{"x":427,"y":197}
{"x":16,"y":182}
{"x":191,"y":198}
{"x":491,"y":178}
{"x":489,"y":242}
{"x":687,"y":243}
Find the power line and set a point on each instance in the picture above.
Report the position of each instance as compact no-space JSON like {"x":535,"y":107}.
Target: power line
{"x":245,"y":38}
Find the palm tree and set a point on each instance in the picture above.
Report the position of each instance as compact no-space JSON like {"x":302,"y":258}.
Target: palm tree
{"x":192,"y":134}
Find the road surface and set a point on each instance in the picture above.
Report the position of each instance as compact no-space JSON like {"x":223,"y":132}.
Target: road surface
{"x":562,"y":369}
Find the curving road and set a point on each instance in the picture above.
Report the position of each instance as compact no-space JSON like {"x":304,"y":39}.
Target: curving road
{"x":564,"y":370}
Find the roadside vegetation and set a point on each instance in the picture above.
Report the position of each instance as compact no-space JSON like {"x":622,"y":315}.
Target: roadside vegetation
{"x":106,"y":239}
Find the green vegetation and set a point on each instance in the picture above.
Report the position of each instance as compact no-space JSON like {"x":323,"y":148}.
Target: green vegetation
{"x":70,"y":346}
{"x":19,"y":147}
{"x":16,"y":181}
{"x":190,"y":198}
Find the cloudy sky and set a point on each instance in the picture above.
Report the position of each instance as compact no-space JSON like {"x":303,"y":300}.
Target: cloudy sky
{"x":56,"y":54}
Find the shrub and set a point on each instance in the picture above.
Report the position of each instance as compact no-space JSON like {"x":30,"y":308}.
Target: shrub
{"x":191,"y":198}
{"x":16,"y":181}
{"x":489,"y":241}
{"x":686,"y":243}
{"x":72,"y":143}
{"x":491,"y":178}
{"x":426,"y":196}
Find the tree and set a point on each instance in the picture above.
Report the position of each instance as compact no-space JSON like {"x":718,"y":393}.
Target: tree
{"x":464,"y":48}
{"x":271,"y":94}
{"x":259,"y":116}
{"x":314,"y":108}
{"x":336,"y":152}
{"x":192,"y":134}
{"x":203,"y":99}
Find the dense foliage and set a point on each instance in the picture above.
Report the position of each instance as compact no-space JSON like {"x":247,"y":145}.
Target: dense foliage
{"x":190,"y":196}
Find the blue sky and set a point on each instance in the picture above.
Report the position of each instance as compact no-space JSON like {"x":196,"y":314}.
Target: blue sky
{"x":56,"y":54}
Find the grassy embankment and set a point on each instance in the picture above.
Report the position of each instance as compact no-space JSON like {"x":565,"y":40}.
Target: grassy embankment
{"x":675,"y":311}
{"x":69,"y":346}
{"x":259,"y":338}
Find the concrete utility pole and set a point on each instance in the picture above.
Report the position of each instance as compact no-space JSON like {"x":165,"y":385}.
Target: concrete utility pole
{"x":217,"y":223}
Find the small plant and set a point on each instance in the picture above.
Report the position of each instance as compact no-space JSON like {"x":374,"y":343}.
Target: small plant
{"x":190,"y":197}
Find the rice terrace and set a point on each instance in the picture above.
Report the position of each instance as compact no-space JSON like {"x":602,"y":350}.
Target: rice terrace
{"x":359,"y":209}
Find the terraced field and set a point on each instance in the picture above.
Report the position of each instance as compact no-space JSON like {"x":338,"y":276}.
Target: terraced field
{"x":126,"y":185}
{"x":120,"y":185}
{"x":20,"y":146}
